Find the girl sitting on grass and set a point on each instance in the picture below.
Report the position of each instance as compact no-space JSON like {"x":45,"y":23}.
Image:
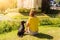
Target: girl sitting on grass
{"x":32,"y":23}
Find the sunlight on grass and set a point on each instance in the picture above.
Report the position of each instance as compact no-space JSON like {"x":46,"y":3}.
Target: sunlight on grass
{"x":51,"y":31}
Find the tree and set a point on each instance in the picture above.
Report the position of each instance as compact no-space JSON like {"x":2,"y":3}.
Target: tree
{"x":45,"y":6}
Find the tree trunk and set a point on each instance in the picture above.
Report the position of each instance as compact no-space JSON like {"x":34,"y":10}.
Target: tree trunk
{"x":45,"y":6}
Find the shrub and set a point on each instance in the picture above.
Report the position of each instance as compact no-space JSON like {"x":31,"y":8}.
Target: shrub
{"x":49,"y":21}
{"x":6,"y":26}
{"x":45,"y":21}
{"x":9,"y":22}
{"x":24,"y":10}
{"x":55,"y":21}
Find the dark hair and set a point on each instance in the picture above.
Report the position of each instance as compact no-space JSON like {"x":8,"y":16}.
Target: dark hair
{"x":22,"y":22}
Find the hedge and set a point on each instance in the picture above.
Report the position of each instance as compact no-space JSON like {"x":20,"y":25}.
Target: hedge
{"x":6,"y":26}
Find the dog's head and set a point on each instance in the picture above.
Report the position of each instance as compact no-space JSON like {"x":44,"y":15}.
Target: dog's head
{"x":22,"y":22}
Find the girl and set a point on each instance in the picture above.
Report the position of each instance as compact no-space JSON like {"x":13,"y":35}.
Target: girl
{"x":32,"y":23}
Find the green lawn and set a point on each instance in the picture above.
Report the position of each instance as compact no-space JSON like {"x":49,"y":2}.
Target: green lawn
{"x":45,"y":33}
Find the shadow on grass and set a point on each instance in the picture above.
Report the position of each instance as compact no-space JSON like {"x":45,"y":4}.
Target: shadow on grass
{"x":41,"y":35}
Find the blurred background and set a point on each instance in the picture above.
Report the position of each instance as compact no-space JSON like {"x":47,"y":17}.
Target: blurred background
{"x":13,"y":11}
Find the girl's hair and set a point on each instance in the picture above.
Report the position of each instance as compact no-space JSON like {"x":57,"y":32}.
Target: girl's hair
{"x":32,"y":13}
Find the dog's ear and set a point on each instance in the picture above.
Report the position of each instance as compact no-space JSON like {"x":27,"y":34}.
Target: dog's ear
{"x":24,"y":22}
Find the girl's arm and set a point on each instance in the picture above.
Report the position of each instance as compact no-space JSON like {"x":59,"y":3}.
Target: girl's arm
{"x":27,"y":27}
{"x":27,"y":24}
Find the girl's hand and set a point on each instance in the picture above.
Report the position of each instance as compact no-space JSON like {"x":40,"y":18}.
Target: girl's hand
{"x":27,"y":30}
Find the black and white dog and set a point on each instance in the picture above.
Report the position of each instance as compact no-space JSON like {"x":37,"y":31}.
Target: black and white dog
{"x":21,"y":29}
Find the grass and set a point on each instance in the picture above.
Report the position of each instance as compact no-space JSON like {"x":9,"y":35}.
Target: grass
{"x":45,"y":33}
